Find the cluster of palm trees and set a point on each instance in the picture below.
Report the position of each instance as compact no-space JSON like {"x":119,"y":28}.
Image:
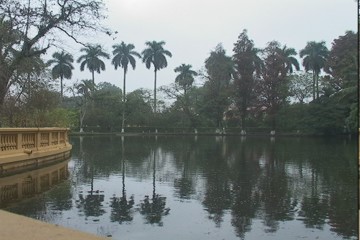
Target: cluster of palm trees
{"x":314,"y":58}
{"x":123,"y":54}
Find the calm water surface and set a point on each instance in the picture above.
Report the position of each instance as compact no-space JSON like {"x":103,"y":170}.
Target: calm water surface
{"x":205,"y":188}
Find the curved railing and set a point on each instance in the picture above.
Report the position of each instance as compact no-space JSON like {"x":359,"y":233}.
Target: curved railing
{"x":21,"y":148}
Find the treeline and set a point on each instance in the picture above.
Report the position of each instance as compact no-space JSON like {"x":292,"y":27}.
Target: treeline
{"x":252,"y":88}
{"x":249,"y":88}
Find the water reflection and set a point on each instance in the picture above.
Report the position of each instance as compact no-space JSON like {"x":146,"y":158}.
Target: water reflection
{"x":155,"y":208}
{"x":28,"y":184}
{"x":121,"y":208}
{"x":279,"y":188}
{"x":89,"y":202}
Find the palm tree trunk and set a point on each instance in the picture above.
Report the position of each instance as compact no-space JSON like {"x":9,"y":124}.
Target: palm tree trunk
{"x":317,"y":85}
{"x":154,"y":173}
{"x":314,"y":80}
{"x":155,"y":91}
{"x":61,"y":89}
{"x":93,"y":76}
{"x":124,"y":102}
{"x":123,"y":164}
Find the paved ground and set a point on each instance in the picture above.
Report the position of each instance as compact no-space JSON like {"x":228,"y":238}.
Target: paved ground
{"x":15,"y":227}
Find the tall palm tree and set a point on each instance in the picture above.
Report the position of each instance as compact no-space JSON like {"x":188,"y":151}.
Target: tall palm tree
{"x":123,"y":55}
{"x":91,"y":59}
{"x":315,"y":55}
{"x":155,"y":55}
{"x":62,"y":67}
{"x":185,"y":78}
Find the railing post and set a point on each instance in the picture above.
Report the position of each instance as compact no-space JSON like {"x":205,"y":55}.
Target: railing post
{"x":58,"y":137}
{"x":19,"y":141}
{"x":66,"y":137}
{"x":38,"y":139}
{"x":50,"y":139}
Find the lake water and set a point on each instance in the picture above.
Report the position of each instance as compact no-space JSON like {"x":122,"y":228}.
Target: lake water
{"x":205,"y":187}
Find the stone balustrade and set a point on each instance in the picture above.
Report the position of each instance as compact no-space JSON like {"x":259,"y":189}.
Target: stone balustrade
{"x":13,"y":140}
{"x":21,"y":148}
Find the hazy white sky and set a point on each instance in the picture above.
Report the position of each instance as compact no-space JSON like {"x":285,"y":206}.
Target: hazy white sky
{"x":192,"y":28}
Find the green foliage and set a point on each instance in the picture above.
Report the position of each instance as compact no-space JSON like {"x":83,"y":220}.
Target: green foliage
{"x":92,"y":59}
{"x":185,"y":78}
{"x":342,"y":62}
{"x":219,"y":69}
{"x":155,"y":55}
{"x":315,"y":55}
{"x":274,"y":85}
{"x":105,"y":108}
{"x":24,"y":31}
{"x":63,"y":67}
{"x":300,"y":86}
{"x":253,"y":86}
{"x":60,"y":117}
{"x":123,"y":55}
{"x":138,"y":108}
{"x":326,"y":118}
{"x":291,"y":118}
{"x":248,"y":66}
{"x":352,"y":120}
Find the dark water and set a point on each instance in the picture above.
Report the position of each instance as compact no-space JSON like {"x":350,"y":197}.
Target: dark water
{"x":205,"y":188}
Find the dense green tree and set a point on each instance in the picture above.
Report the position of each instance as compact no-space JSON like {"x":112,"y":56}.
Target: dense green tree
{"x":138,"y":107}
{"x":314,"y":58}
{"x":155,"y":55}
{"x":274,"y":88}
{"x":342,"y":62}
{"x":184,"y":111}
{"x":29,"y":27}
{"x":62,"y":68}
{"x":342,"y":66}
{"x":326,"y":117}
{"x":247,"y":67}
{"x":61,"y":117}
{"x":105,"y":109}
{"x":181,"y":92}
{"x":219,"y":70}
{"x":123,"y":55}
{"x":37,"y":106}
{"x":91,"y":59}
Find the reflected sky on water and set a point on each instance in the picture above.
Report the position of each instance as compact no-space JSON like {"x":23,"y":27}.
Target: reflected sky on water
{"x":186,"y":187}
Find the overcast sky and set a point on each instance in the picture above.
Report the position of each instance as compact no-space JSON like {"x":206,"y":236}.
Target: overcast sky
{"x":192,"y":28}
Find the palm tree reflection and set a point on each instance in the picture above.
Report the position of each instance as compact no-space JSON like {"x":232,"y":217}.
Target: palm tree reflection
{"x":121,"y":208}
{"x":154,"y":209}
{"x":184,"y":186}
{"x":91,"y":203}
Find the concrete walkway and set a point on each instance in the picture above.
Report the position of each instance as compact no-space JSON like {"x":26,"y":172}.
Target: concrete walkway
{"x":16,"y":227}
